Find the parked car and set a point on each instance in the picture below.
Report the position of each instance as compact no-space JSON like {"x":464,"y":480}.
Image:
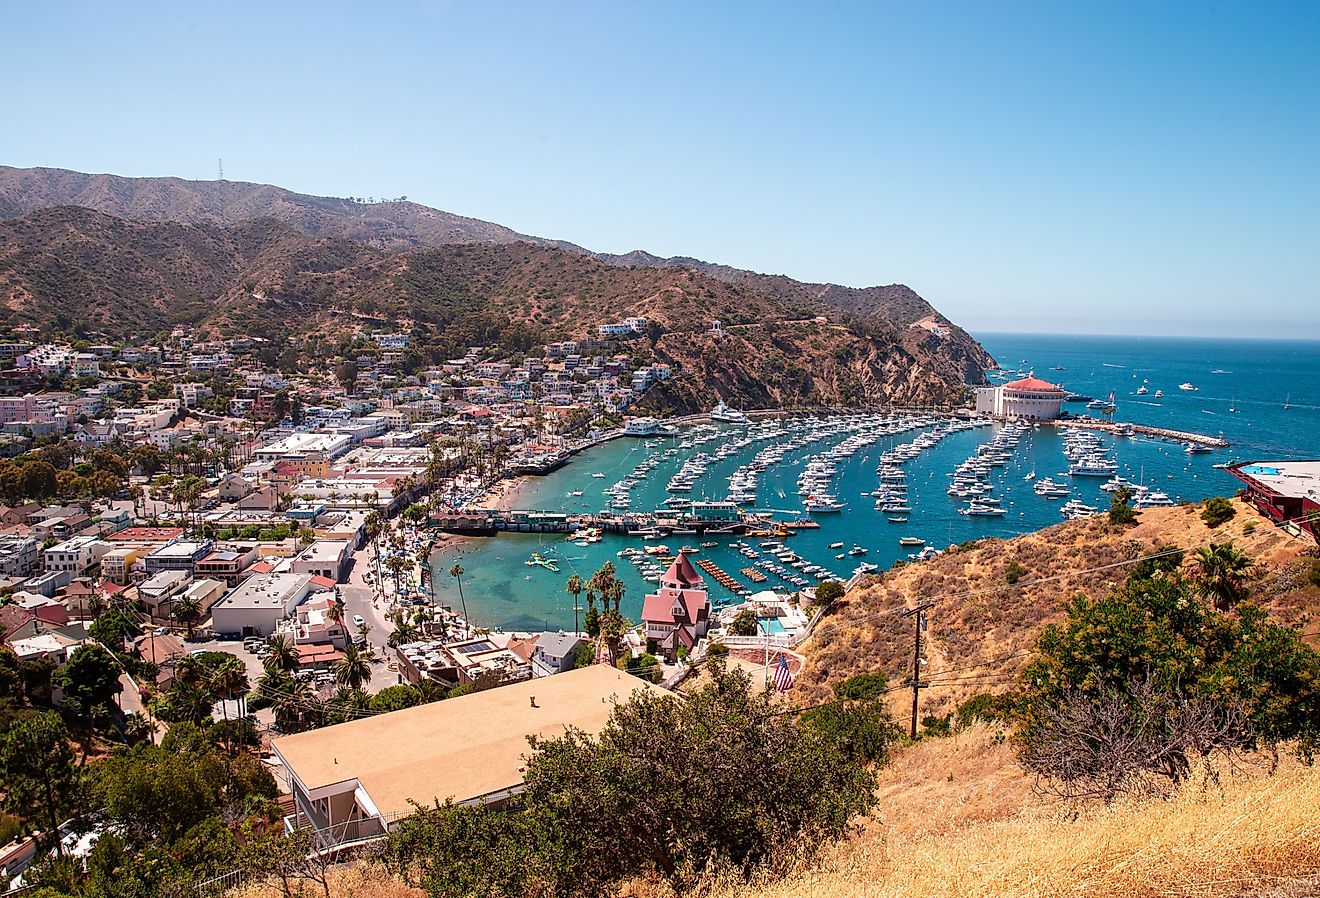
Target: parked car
{"x":358,"y":621}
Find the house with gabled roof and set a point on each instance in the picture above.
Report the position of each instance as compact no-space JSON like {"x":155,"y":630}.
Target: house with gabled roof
{"x":678,"y":614}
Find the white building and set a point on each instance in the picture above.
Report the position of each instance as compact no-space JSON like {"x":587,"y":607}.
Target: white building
{"x":75,"y":555}
{"x":254,"y":608}
{"x":1029,"y":398}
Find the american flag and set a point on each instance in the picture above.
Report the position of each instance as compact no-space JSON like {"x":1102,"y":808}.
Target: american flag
{"x":783,"y":678}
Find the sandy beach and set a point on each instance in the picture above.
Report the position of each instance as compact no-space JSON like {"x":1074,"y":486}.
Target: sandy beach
{"x":505,"y":494}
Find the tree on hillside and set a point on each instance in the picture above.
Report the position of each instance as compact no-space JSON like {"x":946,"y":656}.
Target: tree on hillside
{"x":90,"y":682}
{"x":1133,"y":687}
{"x":1216,"y":510}
{"x":346,"y":373}
{"x":37,"y":768}
{"x":1222,"y":571}
{"x":1120,"y":507}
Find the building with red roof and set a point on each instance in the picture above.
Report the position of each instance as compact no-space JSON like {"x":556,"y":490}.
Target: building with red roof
{"x":678,"y":614}
{"x":1030,"y":398}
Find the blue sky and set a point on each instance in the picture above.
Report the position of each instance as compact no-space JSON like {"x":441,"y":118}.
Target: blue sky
{"x":1057,"y":167}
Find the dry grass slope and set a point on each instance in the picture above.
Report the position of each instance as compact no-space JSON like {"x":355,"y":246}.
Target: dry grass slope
{"x":973,"y":835}
{"x":980,"y":626}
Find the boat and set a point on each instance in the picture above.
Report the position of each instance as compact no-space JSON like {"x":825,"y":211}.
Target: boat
{"x":1058,"y":368}
{"x":1153,"y":500}
{"x":1030,"y":476}
{"x":1142,"y":390}
{"x":899,"y":519}
{"x":709,"y":545}
{"x":822,"y":504}
{"x":1159,"y":394}
{"x":1198,"y":449}
{"x":1287,"y":402}
{"x":688,"y":550}
{"x":857,"y":550}
{"x":598,"y":475}
{"x":1187,"y":388}
{"x":982,"y":510}
{"x":911,"y":541}
{"x":1093,"y":467}
{"x":727,"y":414}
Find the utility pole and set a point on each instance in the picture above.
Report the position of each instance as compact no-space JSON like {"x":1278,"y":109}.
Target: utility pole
{"x":918,"y":615}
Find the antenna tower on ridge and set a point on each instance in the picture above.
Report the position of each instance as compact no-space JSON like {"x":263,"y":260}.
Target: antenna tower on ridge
{"x":220,"y":164}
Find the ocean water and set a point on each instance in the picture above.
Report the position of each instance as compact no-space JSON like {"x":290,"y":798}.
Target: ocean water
{"x":1254,"y":377}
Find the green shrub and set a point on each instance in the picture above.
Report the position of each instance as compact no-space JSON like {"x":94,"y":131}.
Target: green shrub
{"x":1216,"y":510}
{"x":1014,"y":573}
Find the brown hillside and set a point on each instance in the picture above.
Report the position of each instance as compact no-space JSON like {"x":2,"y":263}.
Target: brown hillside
{"x":102,"y":277}
{"x":980,"y":627}
{"x":894,"y":313}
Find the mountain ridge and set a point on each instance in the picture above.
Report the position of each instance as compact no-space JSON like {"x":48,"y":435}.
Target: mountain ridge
{"x":90,"y":275}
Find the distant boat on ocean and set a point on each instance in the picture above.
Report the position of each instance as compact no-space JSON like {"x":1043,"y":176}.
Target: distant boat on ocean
{"x":1187,"y":387}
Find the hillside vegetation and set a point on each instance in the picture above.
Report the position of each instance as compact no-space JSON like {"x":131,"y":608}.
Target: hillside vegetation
{"x":893,"y":313}
{"x":99,"y":277}
{"x":981,"y":627}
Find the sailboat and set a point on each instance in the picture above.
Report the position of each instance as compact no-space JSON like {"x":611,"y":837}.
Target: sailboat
{"x":1287,"y":402}
{"x":1232,"y":406}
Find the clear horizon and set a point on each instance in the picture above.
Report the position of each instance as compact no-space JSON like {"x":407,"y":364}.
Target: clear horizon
{"x":1031,"y":167}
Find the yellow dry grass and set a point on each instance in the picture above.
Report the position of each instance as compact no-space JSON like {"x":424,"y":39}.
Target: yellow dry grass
{"x":981,"y":625}
{"x":958,"y":820}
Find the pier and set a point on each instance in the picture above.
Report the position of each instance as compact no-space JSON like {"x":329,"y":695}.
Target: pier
{"x":1126,"y":429}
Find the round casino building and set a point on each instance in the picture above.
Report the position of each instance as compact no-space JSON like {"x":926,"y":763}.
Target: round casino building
{"x":1029,"y":398}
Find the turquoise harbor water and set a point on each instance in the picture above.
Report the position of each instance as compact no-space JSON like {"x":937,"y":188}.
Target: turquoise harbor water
{"x":1256,"y":378}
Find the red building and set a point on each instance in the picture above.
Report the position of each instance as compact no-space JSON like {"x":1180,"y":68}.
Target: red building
{"x":679,"y":613}
{"x":1287,"y":492}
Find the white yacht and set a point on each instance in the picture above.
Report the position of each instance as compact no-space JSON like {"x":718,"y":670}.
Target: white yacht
{"x":727,"y":414}
{"x":1187,"y":388}
{"x":1094,"y":466}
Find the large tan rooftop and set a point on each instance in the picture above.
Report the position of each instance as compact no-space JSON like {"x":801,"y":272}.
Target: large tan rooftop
{"x":461,"y":748}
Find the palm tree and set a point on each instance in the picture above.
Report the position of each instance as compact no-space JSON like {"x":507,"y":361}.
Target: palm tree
{"x":1222,"y":570}
{"x":295,"y":703}
{"x":229,"y":680}
{"x":282,"y":654}
{"x":354,"y":669}
{"x":395,"y":565}
{"x":575,"y":590}
{"x":457,"y":573}
{"x":186,"y":610}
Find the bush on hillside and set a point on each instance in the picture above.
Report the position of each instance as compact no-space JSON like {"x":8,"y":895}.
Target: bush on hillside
{"x":1217,"y":510}
{"x":1135,"y":686}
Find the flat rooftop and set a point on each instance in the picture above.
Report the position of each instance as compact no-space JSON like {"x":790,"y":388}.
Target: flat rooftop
{"x":1297,"y":479}
{"x":461,"y":748}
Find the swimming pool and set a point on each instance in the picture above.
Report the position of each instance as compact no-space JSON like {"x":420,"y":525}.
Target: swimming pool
{"x":769,"y":626}
{"x":1263,"y":470}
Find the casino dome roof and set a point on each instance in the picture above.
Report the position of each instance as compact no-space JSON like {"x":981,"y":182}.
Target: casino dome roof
{"x":1033,"y":385}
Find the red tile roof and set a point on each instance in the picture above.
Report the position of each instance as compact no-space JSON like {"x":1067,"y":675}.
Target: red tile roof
{"x":1033,"y":384}
{"x":682,"y":572}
